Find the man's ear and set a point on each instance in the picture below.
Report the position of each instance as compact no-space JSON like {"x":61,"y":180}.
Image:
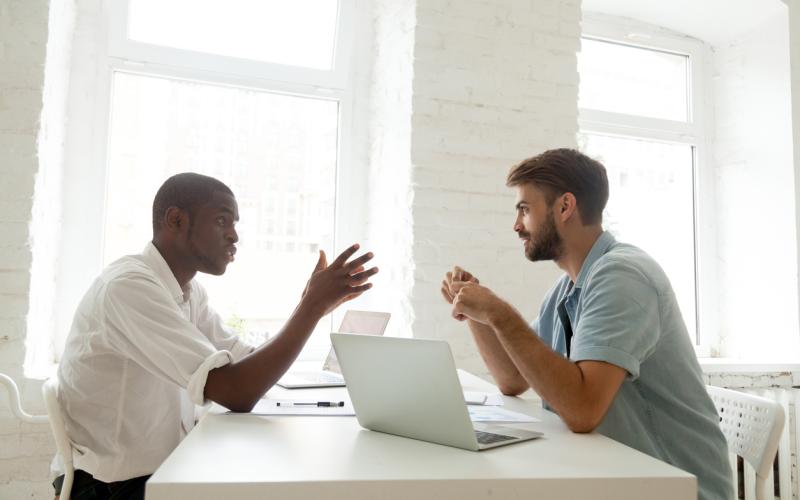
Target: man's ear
{"x":175,"y":220}
{"x":567,"y":206}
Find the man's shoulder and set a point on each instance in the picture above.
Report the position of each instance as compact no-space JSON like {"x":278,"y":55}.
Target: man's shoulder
{"x":624,"y":261}
{"x":624,"y":256}
{"x":129,"y":267}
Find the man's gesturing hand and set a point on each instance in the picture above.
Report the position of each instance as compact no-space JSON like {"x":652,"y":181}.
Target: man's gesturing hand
{"x":331,"y":285}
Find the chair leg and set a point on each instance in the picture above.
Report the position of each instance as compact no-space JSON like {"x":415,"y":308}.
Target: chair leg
{"x":762,"y":492}
{"x":66,"y":485}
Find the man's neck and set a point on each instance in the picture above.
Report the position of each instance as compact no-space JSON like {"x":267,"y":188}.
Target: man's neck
{"x":576,"y":247}
{"x":176,"y":262}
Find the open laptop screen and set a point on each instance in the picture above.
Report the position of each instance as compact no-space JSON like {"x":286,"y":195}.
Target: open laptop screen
{"x":364,"y":322}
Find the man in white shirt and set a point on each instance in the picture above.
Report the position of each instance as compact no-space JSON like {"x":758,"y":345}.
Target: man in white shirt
{"x":145,"y":347}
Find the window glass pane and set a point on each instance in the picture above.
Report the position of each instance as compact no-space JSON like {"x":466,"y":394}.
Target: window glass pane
{"x":294,"y":33}
{"x":632,"y":80}
{"x":276,"y":152}
{"x":651,"y":205}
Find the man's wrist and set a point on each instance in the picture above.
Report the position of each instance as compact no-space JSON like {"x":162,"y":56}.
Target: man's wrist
{"x":311,"y":309}
{"x":503,"y":317}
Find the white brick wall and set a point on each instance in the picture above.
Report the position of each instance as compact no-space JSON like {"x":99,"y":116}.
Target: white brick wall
{"x":494,"y":83}
{"x":25,"y":450}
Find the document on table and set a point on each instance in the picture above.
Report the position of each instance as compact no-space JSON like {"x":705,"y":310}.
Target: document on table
{"x":495,"y":414}
{"x":483,"y":398}
{"x":302,"y":407}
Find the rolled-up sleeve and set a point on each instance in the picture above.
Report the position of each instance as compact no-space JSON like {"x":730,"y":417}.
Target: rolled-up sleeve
{"x":197,"y":382}
{"x":144,"y":324}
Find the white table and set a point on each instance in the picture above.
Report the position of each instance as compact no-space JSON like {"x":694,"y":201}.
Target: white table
{"x":242,"y":456}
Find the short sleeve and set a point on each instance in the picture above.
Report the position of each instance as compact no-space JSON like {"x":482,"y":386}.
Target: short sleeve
{"x":144,"y":324}
{"x":619,"y":318}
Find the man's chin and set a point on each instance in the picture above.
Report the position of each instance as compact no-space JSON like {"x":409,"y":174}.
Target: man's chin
{"x":216,"y":270}
{"x":539,"y":256}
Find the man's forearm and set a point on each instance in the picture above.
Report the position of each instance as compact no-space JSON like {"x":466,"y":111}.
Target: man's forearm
{"x":556,"y":379}
{"x":238,"y":386}
{"x":505,"y":374}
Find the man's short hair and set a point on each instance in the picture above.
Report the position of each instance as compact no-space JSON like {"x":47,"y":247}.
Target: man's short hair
{"x":559,"y":171}
{"x":187,"y":191}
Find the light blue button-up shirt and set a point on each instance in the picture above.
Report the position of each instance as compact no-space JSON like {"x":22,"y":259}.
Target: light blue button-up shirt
{"x":623,"y":311}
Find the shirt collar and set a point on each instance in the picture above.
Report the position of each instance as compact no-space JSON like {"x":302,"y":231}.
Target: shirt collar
{"x":156,"y":262}
{"x":599,"y":248}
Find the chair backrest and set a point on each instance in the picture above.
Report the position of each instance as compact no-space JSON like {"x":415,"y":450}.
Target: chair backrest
{"x":752,"y":426}
{"x":16,"y":407}
{"x":57,"y":425}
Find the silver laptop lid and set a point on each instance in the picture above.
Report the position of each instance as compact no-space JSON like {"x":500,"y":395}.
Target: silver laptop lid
{"x":364,"y":322}
{"x":407,"y":387}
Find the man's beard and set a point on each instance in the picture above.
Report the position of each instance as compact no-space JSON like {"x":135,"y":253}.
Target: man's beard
{"x":545,"y":244}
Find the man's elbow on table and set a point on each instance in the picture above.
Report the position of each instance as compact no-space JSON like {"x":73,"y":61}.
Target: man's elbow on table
{"x":511,"y":389}
{"x":583,"y":424}
{"x":586,"y":416}
{"x":225,"y":388}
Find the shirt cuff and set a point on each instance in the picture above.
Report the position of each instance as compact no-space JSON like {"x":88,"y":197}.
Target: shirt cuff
{"x":608,"y":354}
{"x":241,"y":349}
{"x":197,"y":383}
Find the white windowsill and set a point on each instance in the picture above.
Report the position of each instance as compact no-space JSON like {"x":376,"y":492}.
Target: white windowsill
{"x":732,"y":365}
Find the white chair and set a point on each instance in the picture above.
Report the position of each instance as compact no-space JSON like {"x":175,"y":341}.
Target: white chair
{"x":16,"y":407}
{"x":63,"y":445}
{"x":752,"y":426}
{"x":50,"y":393}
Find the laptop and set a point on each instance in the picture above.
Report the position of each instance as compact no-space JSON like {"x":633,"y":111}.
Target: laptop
{"x":410,"y":388}
{"x":364,"y":322}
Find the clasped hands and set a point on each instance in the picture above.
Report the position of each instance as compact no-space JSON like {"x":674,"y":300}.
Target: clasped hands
{"x":469,"y":298}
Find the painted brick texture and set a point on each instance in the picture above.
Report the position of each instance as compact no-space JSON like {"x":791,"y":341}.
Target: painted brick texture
{"x":494,"y":83}
{"x":25,"y":450}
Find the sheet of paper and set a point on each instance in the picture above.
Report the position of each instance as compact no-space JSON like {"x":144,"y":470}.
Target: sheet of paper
{"x":483,"y":398}
{"x":270,"y":407}
{"x":495,"y":414}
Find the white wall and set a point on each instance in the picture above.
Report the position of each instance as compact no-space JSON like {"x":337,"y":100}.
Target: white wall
{"x":25,"y":450}
{"x":494,"y":83}
{"x":383,"y":127}
{"x":754,"y":182}
{"x":794,"y":61}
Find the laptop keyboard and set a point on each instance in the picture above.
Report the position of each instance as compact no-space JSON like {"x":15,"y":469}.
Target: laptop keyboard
{"x":489,"y":437}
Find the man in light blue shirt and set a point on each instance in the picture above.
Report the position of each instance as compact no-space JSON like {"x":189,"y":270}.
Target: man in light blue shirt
{"x":609,"y":350}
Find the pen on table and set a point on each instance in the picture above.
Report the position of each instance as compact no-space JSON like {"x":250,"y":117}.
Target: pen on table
{"x":317,"y":403}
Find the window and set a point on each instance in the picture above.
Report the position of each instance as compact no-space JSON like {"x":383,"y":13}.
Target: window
{"x":253,"y":93}
{"x":640,"y":116}
{"x":161,"y":126}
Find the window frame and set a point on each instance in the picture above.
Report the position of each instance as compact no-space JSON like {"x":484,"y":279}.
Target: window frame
{"x":119,"y":46}
{"x":693,"y":132}
{"x":85,"y":180}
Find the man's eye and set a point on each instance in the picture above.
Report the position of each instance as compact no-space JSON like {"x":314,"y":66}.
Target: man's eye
{"x":221,"y":221}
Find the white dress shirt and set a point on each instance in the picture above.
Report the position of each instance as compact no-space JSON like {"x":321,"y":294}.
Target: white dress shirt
{"x":135,"y":364}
